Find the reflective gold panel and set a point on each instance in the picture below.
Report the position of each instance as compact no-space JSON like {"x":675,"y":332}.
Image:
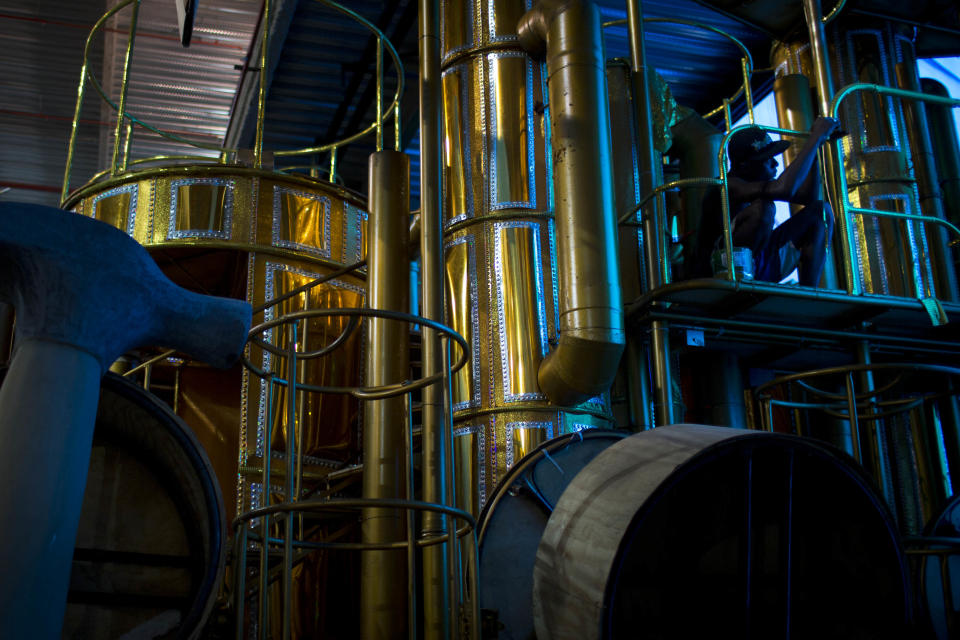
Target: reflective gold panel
{"x":117,"y":207}
{"x":327,"y":421}
{"x":521,"y":308}
{"x":301,"y":220}
{"x":201,"y":207}
{"x":511,"y":130}
{"x":461,"y":284}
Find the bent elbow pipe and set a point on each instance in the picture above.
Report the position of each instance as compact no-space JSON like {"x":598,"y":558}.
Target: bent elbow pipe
{"x":591,"y":335}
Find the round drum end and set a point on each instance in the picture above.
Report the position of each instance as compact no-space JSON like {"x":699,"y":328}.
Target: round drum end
{"x":689,"y":531}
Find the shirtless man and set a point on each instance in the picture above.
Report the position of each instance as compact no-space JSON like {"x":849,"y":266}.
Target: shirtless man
{"x":754,"y":186}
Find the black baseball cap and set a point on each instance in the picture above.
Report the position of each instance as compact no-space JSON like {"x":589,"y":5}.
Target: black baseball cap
{"x":753,"y":145}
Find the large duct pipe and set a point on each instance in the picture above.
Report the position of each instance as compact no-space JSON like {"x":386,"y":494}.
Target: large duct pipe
{"x":591,"y":318}
{"x":383,"y":605}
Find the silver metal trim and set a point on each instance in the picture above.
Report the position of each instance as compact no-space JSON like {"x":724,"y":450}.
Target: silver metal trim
{"x":178,"y":234}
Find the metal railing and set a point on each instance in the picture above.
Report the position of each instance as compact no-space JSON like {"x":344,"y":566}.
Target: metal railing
{"x":270,"y":531}
{"x":852,"y":276}
{"x":124,"y":130}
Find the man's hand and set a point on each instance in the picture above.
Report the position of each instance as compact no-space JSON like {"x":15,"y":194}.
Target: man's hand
{"x":823,"y":127}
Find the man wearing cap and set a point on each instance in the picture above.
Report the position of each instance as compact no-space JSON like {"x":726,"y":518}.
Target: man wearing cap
{"x":753,"y":187}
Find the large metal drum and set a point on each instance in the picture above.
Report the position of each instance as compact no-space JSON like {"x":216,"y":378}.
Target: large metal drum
{"x":695,"y":532}
{"x":512,"y":522}
{"x":149,"y":555}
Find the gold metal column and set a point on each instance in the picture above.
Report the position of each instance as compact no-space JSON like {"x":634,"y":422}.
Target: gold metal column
{"x":436,"y":595}
{"x":383,"y":602}
{"x":500,"y":245}
{"x":652,"y":228}
{"x":795,"y":111}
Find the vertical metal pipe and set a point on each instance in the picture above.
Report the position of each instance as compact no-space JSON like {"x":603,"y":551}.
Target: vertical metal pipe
{"x":638,"y":379}
{"x":831,"y":163}
{"x":262,"y":95}
{"x":747,"y":91}
{"x":291,"y":458}
{"x":795,"y":111}
{"x":662,"y":373}
{"x":379,"y":94}
{"x":436,"y":596}
{"x":72,"y":146}
{"x":383,"y":607}
{"x":333,"y":165}
{"x":263,"y":612}
{"x":127,"y":143}
{"x":124,"y":83}
{"x":646,"y":154}
{"x":950,"y":423}
{"x":411,"y":526}
{"x":652,"y":230}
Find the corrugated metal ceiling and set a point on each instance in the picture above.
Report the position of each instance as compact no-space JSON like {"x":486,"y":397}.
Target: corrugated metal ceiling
{"x":321,"y":88}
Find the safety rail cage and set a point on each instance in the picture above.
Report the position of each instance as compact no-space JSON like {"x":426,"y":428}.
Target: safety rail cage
{"x":278,"y":530}
{"x":935,"y":569}
{"x":122,"y":163}
{"x":934,"y":560}
{"x":865,"y":406}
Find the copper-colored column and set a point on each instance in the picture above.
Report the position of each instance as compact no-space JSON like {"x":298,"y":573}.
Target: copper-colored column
{"x":383,"y":605}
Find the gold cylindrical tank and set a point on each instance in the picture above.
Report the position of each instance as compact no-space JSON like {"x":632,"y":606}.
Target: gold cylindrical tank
{"x":499,"y":245}
{"x":255,"y":235}
{"x":893,"y":256}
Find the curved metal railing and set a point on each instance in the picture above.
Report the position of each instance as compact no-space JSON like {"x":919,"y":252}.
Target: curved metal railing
{"x":126,"y":121}
{"x":253,"y":528}
{"x":746,"y":62}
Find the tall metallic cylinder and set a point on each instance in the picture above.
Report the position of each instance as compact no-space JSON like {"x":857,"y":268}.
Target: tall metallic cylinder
{"x":436,"y":596}
{"x":888,"y":256}
{"x":383,"y":604}
{"x":591,"y":316}
{"x":500,"y":246}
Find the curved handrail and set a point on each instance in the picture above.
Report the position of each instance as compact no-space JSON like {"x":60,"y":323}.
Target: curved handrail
{"x":394,"y":106}
{"x":853,"y":284}
{"x":625,"y":219}
{"x":87,"y":75}
{"x":746,"y":64}
{"x":365,"y":393}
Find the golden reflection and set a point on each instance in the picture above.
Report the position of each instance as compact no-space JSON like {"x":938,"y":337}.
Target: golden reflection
{"x":303,"y":220}
{"x":508,"y":79}
{"x":520,"y":322}
{"x":459,"y":303}
{"x":466,"y":459}
{"x":453,"y":160}
{"x":114,"y":210}
{"x":526,"y":439}
{"x":328,"y":421}
{"x":201,"y":207}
